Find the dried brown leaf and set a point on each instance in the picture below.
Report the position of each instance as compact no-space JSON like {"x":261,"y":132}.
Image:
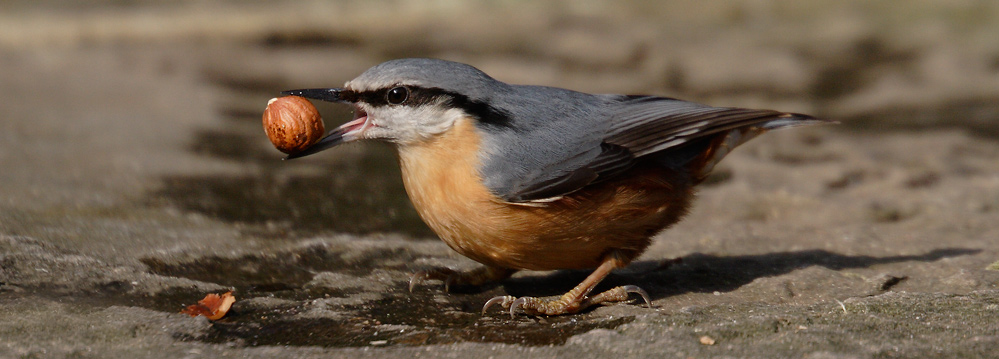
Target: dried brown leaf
{"x":212,"y":307}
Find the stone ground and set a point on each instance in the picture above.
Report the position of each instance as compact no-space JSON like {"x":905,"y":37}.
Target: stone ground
{"x":136,"y":179}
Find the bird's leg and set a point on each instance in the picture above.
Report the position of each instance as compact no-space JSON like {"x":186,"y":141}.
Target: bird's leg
{"x":475,"y":277}
{"x":576,"y":299}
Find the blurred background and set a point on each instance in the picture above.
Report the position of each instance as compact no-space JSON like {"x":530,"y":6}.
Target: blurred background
{"x":106,"y":87}
{"x":135,"y":175}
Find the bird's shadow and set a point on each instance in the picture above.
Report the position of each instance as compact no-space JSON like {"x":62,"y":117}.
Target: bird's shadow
{"x":704,"y":273}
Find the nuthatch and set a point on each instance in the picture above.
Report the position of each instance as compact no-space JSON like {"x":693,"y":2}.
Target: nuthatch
{"x":541,"y":178}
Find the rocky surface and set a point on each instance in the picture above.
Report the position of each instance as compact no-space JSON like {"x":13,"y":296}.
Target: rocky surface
{"x":136,"y":178}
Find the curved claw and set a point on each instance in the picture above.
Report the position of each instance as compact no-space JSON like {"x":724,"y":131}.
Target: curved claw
{"x":448,"y":276}
{"x":416,"y":278}
{"x":635,"y":289}
{"x":451,"y":278}
{"x":516,"y":304}
{"x":504,"y":300}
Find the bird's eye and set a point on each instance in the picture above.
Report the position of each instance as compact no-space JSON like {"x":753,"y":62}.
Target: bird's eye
{"x":397,"y":95}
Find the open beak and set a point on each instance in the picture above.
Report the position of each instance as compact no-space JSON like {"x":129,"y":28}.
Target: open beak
{"x":348,"y":132}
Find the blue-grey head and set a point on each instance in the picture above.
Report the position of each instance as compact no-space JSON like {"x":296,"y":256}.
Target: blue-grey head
{"x":408,"y":101}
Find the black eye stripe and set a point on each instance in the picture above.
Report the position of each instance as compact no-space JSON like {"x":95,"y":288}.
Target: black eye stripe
{"x":370,"y":97}
{"x":419,"y":96}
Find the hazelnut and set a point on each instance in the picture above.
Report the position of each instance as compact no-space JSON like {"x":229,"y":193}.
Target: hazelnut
{"x":292,"y":123}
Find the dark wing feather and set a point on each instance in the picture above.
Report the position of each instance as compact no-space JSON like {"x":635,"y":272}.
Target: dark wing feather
{"x":652,"y":126}
{"x":611,"y":161}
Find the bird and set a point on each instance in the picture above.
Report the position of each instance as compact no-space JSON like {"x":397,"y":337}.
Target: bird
{"x":527,"y":177}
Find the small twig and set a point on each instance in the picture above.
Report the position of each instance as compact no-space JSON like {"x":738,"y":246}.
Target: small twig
{"x":841,"y":305}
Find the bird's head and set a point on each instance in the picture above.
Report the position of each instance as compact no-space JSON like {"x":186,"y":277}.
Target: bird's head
{"x":408,"y":101}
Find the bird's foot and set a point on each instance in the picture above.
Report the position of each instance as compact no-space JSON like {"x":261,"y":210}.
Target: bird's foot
{"x":475,"y":277}
{"x":565,"y":304}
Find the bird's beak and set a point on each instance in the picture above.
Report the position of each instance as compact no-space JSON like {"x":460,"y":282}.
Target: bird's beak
{"x":348,"y":132}
{"x":328,"y":95}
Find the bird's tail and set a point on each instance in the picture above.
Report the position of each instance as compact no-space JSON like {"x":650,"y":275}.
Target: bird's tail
{"x":722,"y":144}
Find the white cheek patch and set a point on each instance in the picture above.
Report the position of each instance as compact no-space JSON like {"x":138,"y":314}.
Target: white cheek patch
{"x":438,"y":122}
{"x":405,"y":124}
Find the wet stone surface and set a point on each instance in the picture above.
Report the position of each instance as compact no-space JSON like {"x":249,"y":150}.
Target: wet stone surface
{"x":416,"y":319}
{"x":315,"y":297}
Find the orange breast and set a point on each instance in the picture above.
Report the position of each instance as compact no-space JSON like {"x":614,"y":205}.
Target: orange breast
{"x":575,"y":232}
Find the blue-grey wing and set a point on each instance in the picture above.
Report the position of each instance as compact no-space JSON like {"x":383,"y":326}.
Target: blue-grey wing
{"x":562,"y":177}
{"x":632,"y":128}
